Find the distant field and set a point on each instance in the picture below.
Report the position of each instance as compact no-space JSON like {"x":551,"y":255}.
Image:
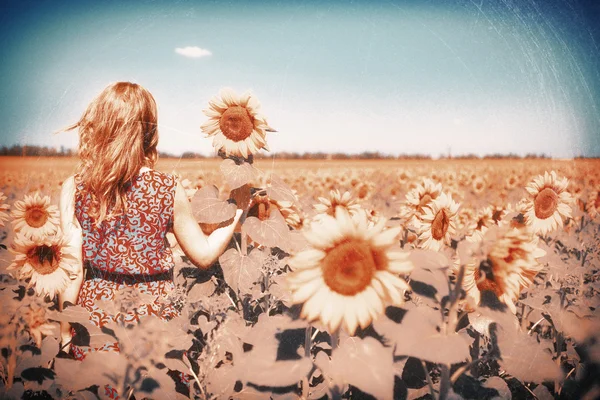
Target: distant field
{"x":379,"y":183}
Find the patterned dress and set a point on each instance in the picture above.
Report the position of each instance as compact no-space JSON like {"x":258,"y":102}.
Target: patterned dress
{"x":128,"y":254}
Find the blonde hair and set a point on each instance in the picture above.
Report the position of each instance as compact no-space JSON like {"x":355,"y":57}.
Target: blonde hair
{"x":117,"y":136}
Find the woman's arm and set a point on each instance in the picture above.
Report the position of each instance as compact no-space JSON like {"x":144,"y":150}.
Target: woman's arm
{"x":202,"y":250}
{"x":71,"y":229}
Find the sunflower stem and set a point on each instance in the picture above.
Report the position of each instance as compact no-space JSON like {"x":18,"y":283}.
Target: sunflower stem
{"x":445,"y":383}
{"x":12,"y":363}
{"x":308,"y":341}
{"x":244,"y":244}
{"x":454,"y":298}
{"x":429,"y":382}
{"x":335,"y":340}
{"x":189,"y":365}
{"x":267,"y":295}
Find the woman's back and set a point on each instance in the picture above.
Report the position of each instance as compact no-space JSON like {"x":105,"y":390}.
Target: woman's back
{"x":134,"y":242}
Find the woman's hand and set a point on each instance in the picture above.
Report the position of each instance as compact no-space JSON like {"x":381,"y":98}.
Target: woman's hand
{"x":201,"y":249}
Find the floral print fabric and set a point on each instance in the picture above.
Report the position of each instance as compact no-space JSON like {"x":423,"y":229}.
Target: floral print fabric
{"x":133,"y":243}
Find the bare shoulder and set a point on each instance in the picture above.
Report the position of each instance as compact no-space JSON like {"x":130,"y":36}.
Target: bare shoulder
{"x":68,"y":189}
{"x":181,"y":201}
{"x":67,"y":204}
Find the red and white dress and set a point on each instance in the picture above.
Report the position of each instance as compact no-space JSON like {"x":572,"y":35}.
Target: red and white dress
{"x":128,"y":251}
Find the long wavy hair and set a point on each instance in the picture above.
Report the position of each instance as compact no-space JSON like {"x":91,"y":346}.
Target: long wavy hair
{"x":117,"y":136}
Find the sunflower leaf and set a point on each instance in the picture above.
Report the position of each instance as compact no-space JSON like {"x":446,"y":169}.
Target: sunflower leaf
{"x":524,"y":358}
{"x":79,"y":375}
{"x":279,"y":191}
{"x":48,"y":352}
{"x":237,"y":175}
{"x":270,"y":338}
{"x":366,"y":364}
{"x":429,"y":259}
{"x":209,"y":209}
{"x":420,"y":335}
{"x":71,"y":314}
{"x":157,"y":383}
{"x":241,"y":271}
{"x":272,"y":232}
{"x":201,"y":290}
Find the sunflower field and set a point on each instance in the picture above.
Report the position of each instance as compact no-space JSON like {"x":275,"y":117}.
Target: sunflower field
{"x":385,"y":279}
{"x":375,"y":279}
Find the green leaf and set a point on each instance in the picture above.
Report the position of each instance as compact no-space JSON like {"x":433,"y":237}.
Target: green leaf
{"x":272,"y":232}
{"x":209,"y":209}
{"x":366,"y":364}
{"x":237,"y":175}
{"x":421,"y":335}
{"x":524,"y":358}
{"x":241,"y":271}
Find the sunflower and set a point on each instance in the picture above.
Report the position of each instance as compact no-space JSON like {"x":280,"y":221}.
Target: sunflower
{"x":289,"y":211}
{"x":349,"y":272}
{"x":327,"y":206}
{"x":418,"y":199}
{"x":548,"y":204}
{"x":36,"y":322}
{"x":234,"y":122}
{"x":438,"y":222}
{"x":593,"y":204}
{"x":481,"y":223}
{"x":499,"y":213}
{"x":35,"y":216}
{"x":3,"y":208}
{"x":511,"y":182}
{"x":478,"y":185}
{"x":509,"y":265}
{"x":48,"y":261}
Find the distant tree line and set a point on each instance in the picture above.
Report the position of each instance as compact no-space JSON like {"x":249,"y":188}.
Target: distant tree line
{"x":38,"y":151}
{"x":496,"y":156}
{"x":367,"y":155}
{"x":45,"y":151}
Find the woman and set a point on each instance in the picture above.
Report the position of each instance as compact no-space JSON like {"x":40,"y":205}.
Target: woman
{"x":118,"y":210}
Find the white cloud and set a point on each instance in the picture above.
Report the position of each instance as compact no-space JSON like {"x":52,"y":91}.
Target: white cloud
{"x":192,"y":52}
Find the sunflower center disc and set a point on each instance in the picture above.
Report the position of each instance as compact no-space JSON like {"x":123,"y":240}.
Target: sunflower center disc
{"x":349,"y":267}
{"x":44,"y":259}
{"x":497,"y":215}
{"x":487,"y":284}
{"x":545,"y":203}
{"x":236,"y":124}
{"x":440,"y":224}
{"x":36,"y":217}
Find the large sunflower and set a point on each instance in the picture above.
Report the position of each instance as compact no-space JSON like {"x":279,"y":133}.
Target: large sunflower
{"x":548,"y":204}
{"x":34,"y":216}
{"x":509,"y":265}
{"x":48,"y":261}
{"x":349,"y":272}
{"x":438,"y":222}
{"x":234,"y":121}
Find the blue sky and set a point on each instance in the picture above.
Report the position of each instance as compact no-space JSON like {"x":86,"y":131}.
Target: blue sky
{"x":392,"y":76}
